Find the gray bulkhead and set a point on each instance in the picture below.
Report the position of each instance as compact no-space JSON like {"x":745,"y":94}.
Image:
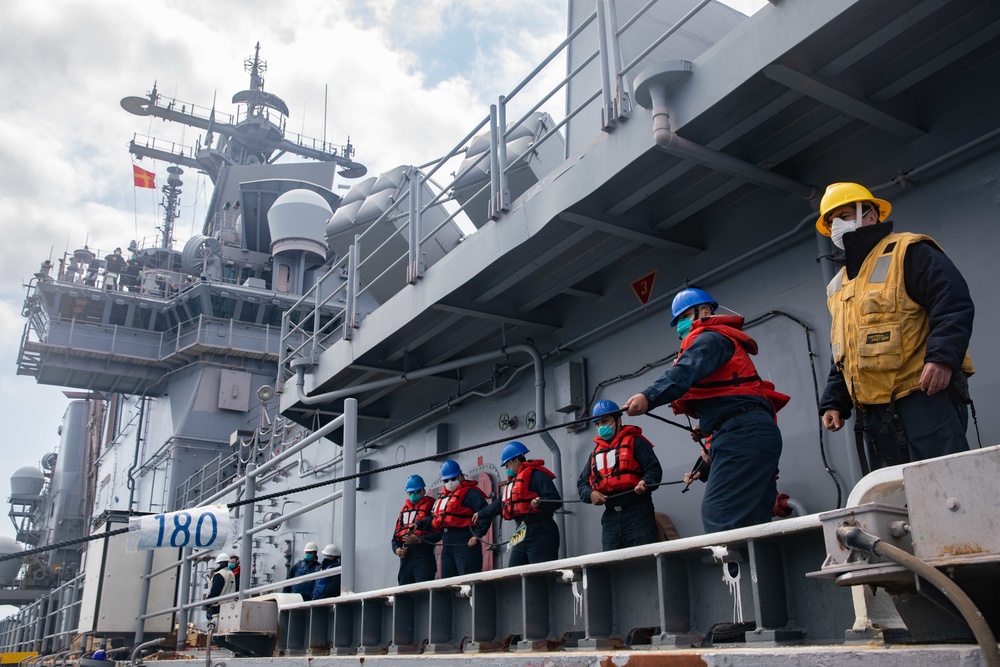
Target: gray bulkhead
{"x":954,"y":202}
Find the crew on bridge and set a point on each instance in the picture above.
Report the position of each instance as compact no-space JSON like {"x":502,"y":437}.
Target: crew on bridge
{"x":714,"y":380}
{"x":620,"y":474}
{"x":415,"y":548}
{"x":452,"y":516}
{"x":536,"y":538}
{"x":902,"y":319}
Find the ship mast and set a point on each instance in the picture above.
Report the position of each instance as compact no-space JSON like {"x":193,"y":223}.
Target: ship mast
{"x":171,"y":204}
{"x":254,"y":135}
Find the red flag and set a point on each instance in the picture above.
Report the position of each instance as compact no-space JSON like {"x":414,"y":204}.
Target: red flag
{"x":143,"y":178}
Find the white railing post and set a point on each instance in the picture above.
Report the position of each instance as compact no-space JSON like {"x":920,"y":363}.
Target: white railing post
{"x":246,"y":542}
{"x":494,"y":208}
{"x":414,"y":270}
{"x":350,"y":307}
{"x":503,"y":192}
{"x":623,"y":99}
{"x":607,"y":106}
{"x":349,"y":522}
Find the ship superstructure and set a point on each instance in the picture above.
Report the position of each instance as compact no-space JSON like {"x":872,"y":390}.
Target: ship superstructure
{"x":689,"y":146}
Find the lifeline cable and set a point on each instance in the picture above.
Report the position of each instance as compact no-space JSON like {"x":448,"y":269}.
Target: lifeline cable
{"x":297,"y":489}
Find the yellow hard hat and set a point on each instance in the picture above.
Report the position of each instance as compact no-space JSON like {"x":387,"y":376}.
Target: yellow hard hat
{"x":838,"y":194}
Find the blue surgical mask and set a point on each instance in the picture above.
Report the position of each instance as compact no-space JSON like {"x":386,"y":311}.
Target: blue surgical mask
{"x":309,"y":557}
{"x":606,"y":432}
{"x":684,"y":327}
{"x":232,"y":566}
{"x":415,"y":498}
{"x":510,"y":473}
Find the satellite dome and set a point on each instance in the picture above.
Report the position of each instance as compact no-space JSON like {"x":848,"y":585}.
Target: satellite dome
{"x":297,"y":221}
{"x":27,"y":481}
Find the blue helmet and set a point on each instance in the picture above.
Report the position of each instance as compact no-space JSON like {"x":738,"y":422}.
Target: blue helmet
{"x":604,"y":407}
{"x":511,"y":451}
{"x":450,"y":469}
{"x":414,"y":483}
{"x":687,"y":298}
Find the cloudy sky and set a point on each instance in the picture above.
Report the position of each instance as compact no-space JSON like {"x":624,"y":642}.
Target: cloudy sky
{"x":407,"y":79}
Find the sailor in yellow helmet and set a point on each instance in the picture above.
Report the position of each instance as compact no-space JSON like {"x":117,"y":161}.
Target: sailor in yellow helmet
{"x":902,"y":320}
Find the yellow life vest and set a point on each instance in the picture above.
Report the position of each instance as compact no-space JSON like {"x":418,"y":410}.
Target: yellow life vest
{"x":879,"y":334}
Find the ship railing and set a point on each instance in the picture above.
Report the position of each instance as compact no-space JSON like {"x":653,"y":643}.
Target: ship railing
{"x":46,"y":624}
{"x":247,"y":482}
{"x":158,"y":346}
{"x":312,"y":303}
{"x":164,"y":146}
{"x":196,"y":110}
{"x":598,"y":36}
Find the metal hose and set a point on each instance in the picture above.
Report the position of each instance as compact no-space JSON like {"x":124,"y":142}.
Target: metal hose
{"x":134,"y":658}
{"x":856,"y":539}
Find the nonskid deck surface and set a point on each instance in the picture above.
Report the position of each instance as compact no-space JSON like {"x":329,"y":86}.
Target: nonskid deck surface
{"x":736,"y":656}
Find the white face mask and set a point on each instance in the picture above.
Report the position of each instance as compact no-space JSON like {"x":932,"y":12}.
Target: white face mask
{"x":451,"y":485}
{"x":840,"y":227}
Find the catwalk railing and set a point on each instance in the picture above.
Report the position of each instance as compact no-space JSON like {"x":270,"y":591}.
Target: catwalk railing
{"x":312,"y":334}
{"x":48,"y":624}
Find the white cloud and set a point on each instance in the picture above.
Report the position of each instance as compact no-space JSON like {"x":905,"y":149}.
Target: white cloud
{"x":395,"y":86}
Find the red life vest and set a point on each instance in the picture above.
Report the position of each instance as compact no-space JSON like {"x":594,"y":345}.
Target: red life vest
{"x":449,"y":510}
{"x":515,"y":496}
{"x":411,"y":514}
{"x":736,"y":377}
{"x":612,"y":465}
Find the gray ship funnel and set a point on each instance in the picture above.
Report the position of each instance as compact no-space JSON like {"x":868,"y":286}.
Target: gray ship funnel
{"x":378,"y":210}
{"x":27,"y":481}
{"x":297,"y":221}
{"x":528,"y":162}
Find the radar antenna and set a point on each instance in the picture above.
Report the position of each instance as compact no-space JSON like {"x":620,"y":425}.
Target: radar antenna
{"x":254,"y":135}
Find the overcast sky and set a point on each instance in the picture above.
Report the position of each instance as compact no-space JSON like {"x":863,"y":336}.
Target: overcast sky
{"x":406,"y":81}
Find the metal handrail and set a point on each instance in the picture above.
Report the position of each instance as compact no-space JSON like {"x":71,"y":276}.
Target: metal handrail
{"x":662,"y":38}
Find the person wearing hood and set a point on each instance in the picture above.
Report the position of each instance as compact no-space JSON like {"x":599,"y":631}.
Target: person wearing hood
{"x":620,"y":474}
{"x":223,"y":583}
{"x":901,"y":323}
{"x":714,"y":380}
{"x":328,"y":587}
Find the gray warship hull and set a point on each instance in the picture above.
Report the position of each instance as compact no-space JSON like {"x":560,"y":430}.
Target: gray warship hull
{"x":414,"y":337}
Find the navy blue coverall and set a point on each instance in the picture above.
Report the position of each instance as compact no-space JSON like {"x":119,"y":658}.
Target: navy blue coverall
{"x":330,"y":586}
{"x":933,"y":425}
{"x":746,"y":442}
{"x":541,"y":538}
{"x":457,"y":557}
{"x":629,"y":518}
{"x":419,"y":564}
{"x":305,"y":588}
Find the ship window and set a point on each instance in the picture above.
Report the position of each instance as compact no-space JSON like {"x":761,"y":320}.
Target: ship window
{"x":142,"y":318}
{"x":248,"y":312}
{"x":194,"y":307}
{"x":222,"y":307}
{"x":162,"y":322}
{"x":272,"y":316}
{"x":118,"y":314}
